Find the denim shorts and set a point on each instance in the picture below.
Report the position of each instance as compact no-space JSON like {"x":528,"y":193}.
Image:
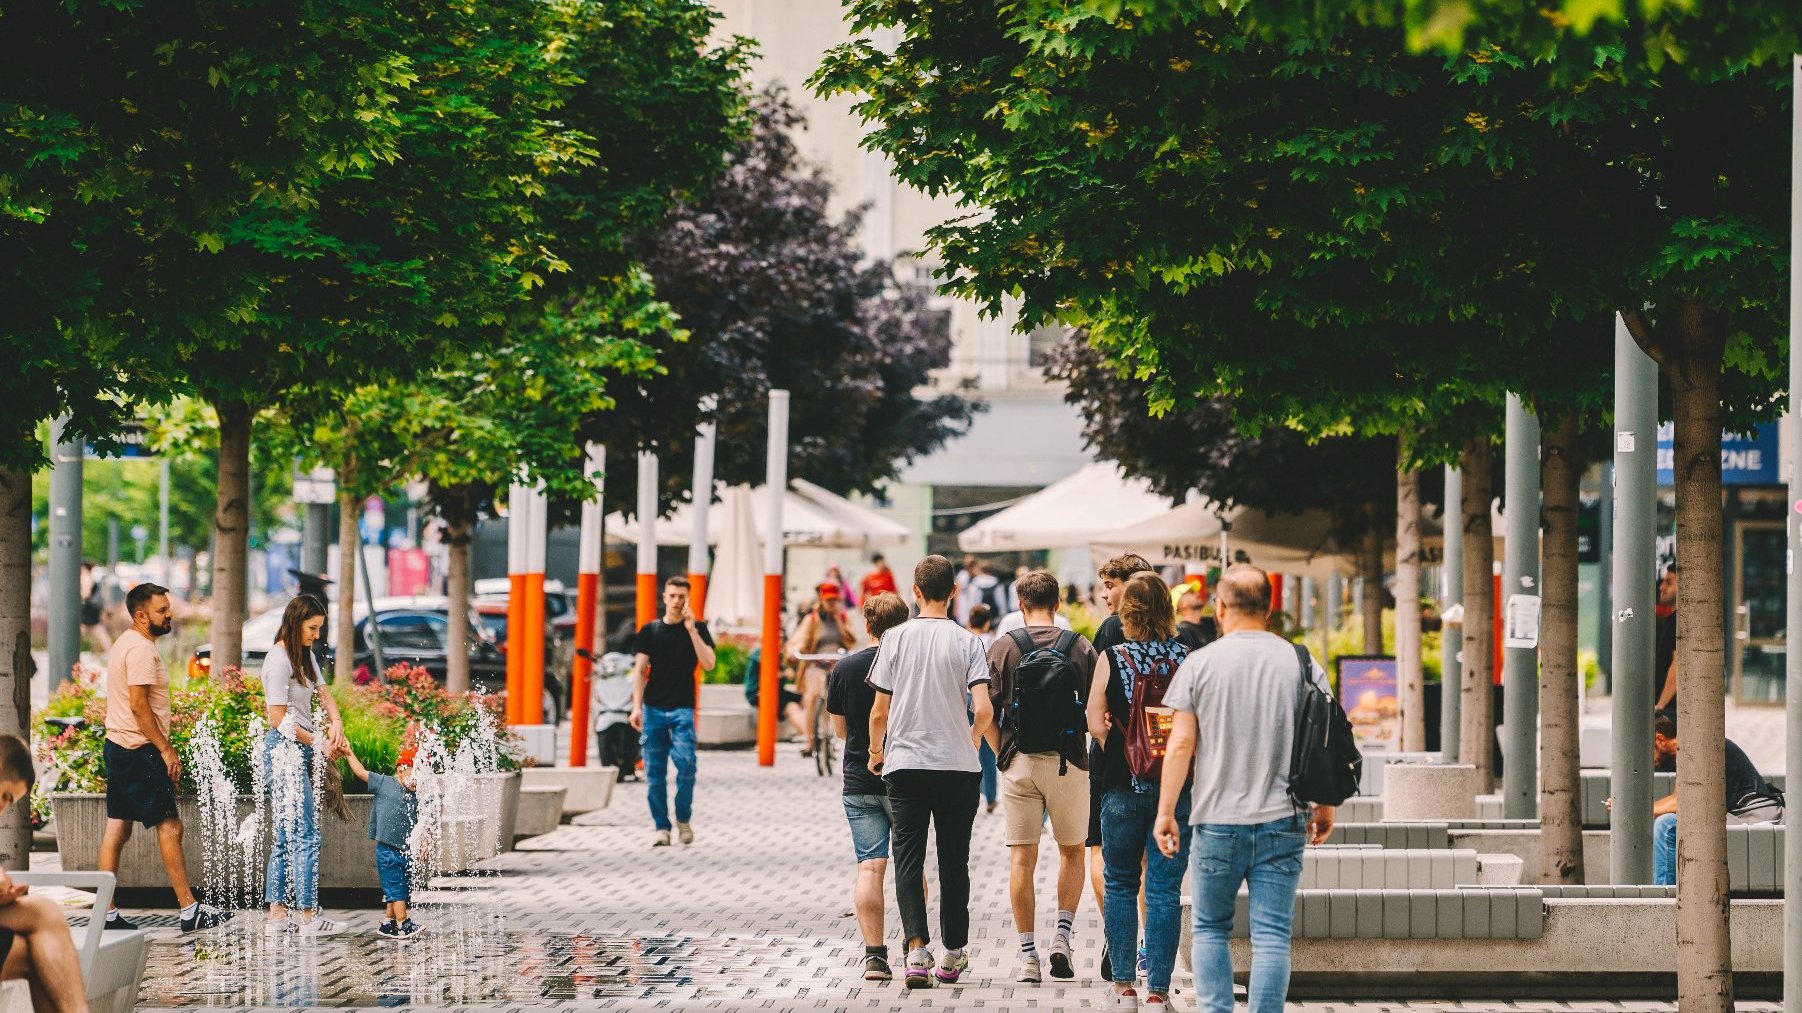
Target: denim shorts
{"x":871,"y":820}
{"x":391,"y":868}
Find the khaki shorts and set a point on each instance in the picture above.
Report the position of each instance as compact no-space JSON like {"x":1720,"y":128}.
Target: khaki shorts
{"x":1031,"y":787}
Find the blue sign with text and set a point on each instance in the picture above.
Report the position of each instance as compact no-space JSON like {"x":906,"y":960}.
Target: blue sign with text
{"x":1746,"y":458}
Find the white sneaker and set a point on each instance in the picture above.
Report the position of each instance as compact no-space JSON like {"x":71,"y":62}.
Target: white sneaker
{"x":685,"y":833}
{"x":661,"y":840}
{"x":1029,"y":971}
{"x":277,"y":926}
{"x":1122,"y":1002}
{"x":320,"y":925}
{"x":1062,"y":960}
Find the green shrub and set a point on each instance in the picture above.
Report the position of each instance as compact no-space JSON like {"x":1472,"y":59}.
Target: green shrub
{"x":1348,"y":639}
{"x":730,"y":657}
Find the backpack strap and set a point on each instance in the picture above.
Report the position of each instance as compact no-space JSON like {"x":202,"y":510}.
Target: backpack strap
{"x":1065,"y":641}
{"x":1023,"y":640}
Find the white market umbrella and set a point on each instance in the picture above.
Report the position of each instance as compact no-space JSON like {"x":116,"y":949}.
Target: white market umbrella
{"x":1190,"y":536}
{"x":1072,"y":511}
{"x":810,"y":516}
{"x":735,"y":591}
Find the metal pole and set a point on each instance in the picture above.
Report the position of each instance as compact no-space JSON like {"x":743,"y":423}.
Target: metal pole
{"x":519,"y":526}
{"x":1451,"y":609}
{"x":162,"y":522}
{"x":66,"y":459}
{"x":313,"y":538}
{"x":649,"y":607}
{"x":775,"y":484}
{"x":1632,"y":625}
{"x":1792,"y":843}
{"x":1605,"y":583}
{"x":112,"y":544}
{"x":701,"y":488}
{"x":588,"y":582}
{"x":1520,"y":583}
{"x":1335,"y":594}
{"x":531,"y":672}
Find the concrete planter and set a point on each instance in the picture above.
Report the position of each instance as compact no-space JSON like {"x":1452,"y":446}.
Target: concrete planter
{"x":540,"y":811}
{"x":540,"y":742}
{"x":1417,"y":792}
{"x":586,"y":788}
{"x":346,"y":854}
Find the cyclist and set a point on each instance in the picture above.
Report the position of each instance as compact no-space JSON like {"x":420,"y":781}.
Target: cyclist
{"x":824,"y":630}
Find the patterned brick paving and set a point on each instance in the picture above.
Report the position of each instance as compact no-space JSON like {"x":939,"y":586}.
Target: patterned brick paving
{"x":754,"y":916}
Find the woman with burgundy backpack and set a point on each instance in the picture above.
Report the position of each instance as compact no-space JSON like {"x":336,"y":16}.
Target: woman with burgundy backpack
{"x":1128,"y":717}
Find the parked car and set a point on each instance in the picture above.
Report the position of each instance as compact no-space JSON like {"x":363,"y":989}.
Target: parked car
{"x":490,"y":599}
{"x":410,"y":628}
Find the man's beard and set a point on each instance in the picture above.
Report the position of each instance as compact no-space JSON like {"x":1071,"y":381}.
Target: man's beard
{"x":163,"y":629}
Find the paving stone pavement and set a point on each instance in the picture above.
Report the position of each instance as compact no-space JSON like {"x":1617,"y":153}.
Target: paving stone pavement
{"x":753,"y":916}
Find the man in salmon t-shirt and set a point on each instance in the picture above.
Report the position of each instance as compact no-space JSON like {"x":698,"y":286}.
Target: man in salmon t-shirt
{"x":141,"y":765}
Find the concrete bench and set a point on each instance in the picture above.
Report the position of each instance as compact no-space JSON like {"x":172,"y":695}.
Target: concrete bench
{"x":1370,"y":783}
{"x":587,"y":788}
{"x":1605,"y":892}
{"x":1754,"y":858}
{"x":112,"y":963}
{"x":1492,"y":824}
{"x":1462,"y":913}
{"x":1391,"y":869}
{"x":540,"y":810}
{"x":1392,"y":835}
{"x":1359,"y":809}
{"x":725,"y":717}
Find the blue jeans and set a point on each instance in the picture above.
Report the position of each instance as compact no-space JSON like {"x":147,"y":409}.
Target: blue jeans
{"x":391,"y":869}
{"x":872,"y":820}
{"x":291,"y":876}
{"x":1127,"y":818}
{"x":669,"y":735}
{"x":1664,"y":850}
{"x":1268,"y":857}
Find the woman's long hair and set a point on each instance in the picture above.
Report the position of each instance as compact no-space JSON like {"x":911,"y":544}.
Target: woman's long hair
{"x":1145,"y":610}
{"x":302,"y":608}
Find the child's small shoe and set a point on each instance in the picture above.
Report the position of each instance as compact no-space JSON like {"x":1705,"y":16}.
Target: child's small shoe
{"x":388,"y":930}
{"x":408,"y":929}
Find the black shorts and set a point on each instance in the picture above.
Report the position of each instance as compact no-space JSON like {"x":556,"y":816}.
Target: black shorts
{"x":137,"y":785}
{"x":6,"y":944}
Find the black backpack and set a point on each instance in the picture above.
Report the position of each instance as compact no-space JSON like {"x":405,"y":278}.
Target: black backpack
{"x":1325,"y":766}
{"x":1046,"y":710}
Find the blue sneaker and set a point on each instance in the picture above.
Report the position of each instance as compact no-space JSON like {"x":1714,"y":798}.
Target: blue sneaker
{"x":1142,"y":964}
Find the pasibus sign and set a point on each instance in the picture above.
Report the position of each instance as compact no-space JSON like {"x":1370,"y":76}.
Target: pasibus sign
{"x":1748,"y":458}
{"x":131,"y":440}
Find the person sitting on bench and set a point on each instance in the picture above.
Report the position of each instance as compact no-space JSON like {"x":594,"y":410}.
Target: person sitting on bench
{"x":35,"y":943}
{"x":1749,"y":798}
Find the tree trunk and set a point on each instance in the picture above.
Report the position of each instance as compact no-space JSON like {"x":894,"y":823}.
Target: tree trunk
{"x":231,"y":537}
{"x":1411,"y":678}
{"x":1476,"y":730}
{"x":15,"y":661}
{"x":350,"y":545}
{"x":1690,"y":354}
{"x":1560,"y":811}
{"x":457,"y":538}
{"x":1370,"y":568}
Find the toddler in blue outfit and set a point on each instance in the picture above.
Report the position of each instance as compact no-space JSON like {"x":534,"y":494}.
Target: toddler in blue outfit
{"x":390,"y":824}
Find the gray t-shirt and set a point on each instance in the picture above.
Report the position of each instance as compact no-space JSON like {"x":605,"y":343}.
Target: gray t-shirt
{"x":1241,"y":689}
{"x":927,"y":666}
{"x":392,"y":814}
{"x":280,"y":689}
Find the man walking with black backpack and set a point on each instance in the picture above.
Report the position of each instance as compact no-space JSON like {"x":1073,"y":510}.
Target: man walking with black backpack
{"x":1235,"y":702}
{"x":1037,"y":678}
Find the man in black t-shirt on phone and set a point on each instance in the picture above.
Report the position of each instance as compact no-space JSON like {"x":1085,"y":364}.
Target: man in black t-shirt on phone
{"x":663,"y":705}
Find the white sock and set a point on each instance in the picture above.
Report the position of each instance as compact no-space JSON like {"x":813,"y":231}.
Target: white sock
{"x":112,"y":914}
{"x":191,"y":910}
{"x":1066,"y":926}
{"x":1028,"y":948}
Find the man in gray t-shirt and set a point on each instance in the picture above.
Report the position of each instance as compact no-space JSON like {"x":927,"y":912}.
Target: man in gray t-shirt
{"x":1235,"y":717}
{"x":924,"y":746}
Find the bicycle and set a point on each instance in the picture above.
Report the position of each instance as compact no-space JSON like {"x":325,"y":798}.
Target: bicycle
{"x":819,"y":721}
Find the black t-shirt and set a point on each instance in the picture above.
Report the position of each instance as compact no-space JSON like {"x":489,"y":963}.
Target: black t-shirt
{"x":1742,"y":778}
{"x":1196,"y":636}
{"x":848,"y":694}
{"x":670,"y":684}
{"x":1108,"y":635}
{"x":1664,"y":651}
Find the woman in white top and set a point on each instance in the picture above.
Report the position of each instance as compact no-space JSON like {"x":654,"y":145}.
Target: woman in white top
{"x":290,"y":685}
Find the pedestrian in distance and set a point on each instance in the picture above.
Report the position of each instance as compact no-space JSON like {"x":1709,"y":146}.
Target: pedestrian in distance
{"x":924,"y":745}
{"x":848,"y":700}
{"x":1039,"y":677}
{"x":1233,"y":736}
{"x":1129,"y":714}
{"x":982,"y":623}
{"x":1750,"y":799}
{"x":1194,"y":627}
{"x":292,"y":749}
{"x":1112,"y":577}
{"x":391,"y":822}
{"x":142,"y":767}
{"x":663,"y":706}
{"x":879,"y":580}
{"x":93,"y":607}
